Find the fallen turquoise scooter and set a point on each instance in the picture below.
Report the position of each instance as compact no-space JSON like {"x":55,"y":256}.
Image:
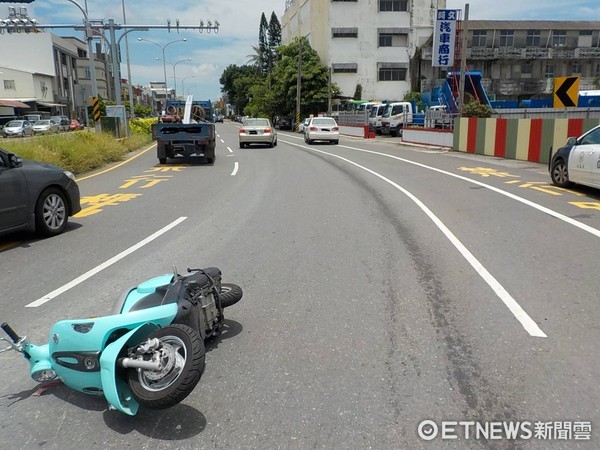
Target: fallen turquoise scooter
{"x":149,"y":352}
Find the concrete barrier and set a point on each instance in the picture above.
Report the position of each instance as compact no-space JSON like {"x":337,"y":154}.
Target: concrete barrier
{"x":523,"y":139}
{"x":428,"y":136}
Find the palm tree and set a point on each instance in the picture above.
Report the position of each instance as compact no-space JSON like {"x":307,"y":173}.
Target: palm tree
{"x":255,"y":59}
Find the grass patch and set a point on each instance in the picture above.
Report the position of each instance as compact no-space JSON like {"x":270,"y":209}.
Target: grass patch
{"x":78,"y":151}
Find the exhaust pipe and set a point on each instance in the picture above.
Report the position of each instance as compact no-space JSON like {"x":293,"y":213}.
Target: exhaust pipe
{"x":130,"y":363}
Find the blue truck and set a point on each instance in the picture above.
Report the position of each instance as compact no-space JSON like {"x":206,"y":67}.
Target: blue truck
{"x":175,"y":138}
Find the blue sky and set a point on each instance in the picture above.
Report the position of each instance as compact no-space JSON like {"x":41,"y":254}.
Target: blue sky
{"x":210,"y":53}
{"x":239,"y":19}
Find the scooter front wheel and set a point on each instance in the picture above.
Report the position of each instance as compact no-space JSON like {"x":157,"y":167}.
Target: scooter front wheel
{"x":230,"y":294}
{"x":183,"y":357}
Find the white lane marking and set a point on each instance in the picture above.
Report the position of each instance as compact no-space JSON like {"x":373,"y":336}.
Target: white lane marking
{"x":229,"y":148}
{"x":235,"y":169}
{"x":104,"y":265}
{"x":222,"y":141}
{"x":541,"y":208}
{"x":527,"y":322}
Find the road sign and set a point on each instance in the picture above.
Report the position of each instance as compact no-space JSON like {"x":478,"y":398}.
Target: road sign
{"x":96,"y":109}
{"x":566,"y":92}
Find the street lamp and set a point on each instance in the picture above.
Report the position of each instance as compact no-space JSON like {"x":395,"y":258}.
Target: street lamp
{"x":163,"y":47}
{"x":182,"y":80}
{"x":92,"y":62}
{"x":174,"y":77}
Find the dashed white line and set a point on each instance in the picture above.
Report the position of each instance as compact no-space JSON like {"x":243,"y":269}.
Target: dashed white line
{"x":229,"y":148}
{"x":104,"y":265}
{"x":235,"y":169}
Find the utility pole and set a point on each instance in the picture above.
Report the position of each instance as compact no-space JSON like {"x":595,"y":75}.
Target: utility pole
{"x":298,"y":84}
{"x":463,"y":60}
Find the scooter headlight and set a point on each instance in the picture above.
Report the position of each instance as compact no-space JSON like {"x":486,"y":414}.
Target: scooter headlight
{"x":43,"y":375}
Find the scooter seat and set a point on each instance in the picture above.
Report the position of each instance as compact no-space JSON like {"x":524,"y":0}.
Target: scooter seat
{"x":156,"y":298}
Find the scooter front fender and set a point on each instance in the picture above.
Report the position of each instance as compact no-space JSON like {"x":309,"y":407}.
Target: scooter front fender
{"x":116,"y":390}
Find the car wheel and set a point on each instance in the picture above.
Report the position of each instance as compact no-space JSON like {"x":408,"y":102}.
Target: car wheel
{"x":336,"y":142}
{"x":162,"y":160}
{"x":275,"y":143}
{"x":241,"y":145}
{"x":51,"y":212}
{"x":271,"y":145}
{"x":560,"y":173}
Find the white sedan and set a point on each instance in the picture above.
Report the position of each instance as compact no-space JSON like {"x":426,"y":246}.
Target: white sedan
{"x":322,"y":129}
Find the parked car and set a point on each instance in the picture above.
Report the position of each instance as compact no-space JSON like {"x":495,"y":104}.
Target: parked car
{"x":62,"y":121}
{"x":17,"y":128}
{"x":75,"y":125}
{"x":285,"y":123}
{"x":45,"y":126}
{"x":35,"y":196}
{"x":578,"y":161}
{"x":303,"y":125}
{"x":257,"y":131}
{"x":219,"y":118}
{"x":322,"y":129}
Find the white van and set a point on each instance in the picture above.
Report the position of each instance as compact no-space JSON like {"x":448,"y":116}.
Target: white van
{"x":396,"y":115}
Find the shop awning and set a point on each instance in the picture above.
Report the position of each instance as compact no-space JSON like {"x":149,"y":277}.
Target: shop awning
{"x":13,"y":104}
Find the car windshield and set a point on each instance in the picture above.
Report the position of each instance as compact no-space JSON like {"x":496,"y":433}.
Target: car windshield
{"x":15,"y":123}
{"x":43,"y":122}
{"x":257,"y":123}
{"x":324,"y":121}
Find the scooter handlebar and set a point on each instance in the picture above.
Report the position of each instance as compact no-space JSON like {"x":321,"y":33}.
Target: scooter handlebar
{"x":11,"y":333}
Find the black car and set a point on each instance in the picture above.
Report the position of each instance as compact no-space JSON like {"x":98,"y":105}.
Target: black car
{"x":35,"y":196}
{"x":285,"y":123}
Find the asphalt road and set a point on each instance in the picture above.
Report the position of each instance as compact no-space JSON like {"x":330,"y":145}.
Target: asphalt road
{"x":384,"y":285}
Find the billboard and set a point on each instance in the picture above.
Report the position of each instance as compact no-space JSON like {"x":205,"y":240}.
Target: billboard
{"x":444,"y":37}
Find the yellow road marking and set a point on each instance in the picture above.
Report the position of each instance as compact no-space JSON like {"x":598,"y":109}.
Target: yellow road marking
{"x":115,"y":166}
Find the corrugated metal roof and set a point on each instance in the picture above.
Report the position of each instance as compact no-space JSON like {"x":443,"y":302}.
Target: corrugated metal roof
{"x":13,"y":104}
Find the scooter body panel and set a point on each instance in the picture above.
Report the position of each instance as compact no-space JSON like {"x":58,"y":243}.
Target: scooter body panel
{"x":76,"y":346}
{"x":143,"y":289}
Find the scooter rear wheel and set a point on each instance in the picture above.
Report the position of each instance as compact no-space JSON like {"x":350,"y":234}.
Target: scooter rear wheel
{"x":184,"y":364}
{"x":230,"y":294}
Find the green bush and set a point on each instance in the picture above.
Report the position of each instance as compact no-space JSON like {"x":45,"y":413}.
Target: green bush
{"x":476,"y":109}
{"x":141,"y":126}
{"x":79,"y":151}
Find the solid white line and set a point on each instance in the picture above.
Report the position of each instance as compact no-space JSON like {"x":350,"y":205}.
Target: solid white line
{"x":235,"y":169}
{"x":541,"y":208}
{"x":229,"y":148}
{"x":527,"y":322}
{"x":104,"y":265}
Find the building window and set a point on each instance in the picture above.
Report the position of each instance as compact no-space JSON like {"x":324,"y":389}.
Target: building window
{"x":533,"y":38}
{"x":479,"y":38}
{"x":549,"y":71}
{"x":9,"y":85}
{"x":576,"y":68}
{"x":393,"y":37}
{"x":344,"y":67}
{"x":585,"y":33}
{"x":393,"y":5}
{"x":351,"y":32}
{"x":507,"y":38}
{"x":597,"y":71}
{"x":391,"y":72}
{"x":559,"y":38}
{"x":87,"y":73}
{"x":526,"y":69}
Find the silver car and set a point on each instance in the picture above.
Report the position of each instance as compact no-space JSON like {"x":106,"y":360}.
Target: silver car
{"x":257,"y":131}
{"x":45,"y":126}
{"x":17,"y":128}
{"x":322,"y":129}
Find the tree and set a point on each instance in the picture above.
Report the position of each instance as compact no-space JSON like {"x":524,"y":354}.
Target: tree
{"x":274,"y":40}
{"x":263,"y":44}
{"x":315,"y":80}
{"x":228,"y":82}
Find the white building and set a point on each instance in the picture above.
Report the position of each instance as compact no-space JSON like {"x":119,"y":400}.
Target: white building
{"x":369,"y":43}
